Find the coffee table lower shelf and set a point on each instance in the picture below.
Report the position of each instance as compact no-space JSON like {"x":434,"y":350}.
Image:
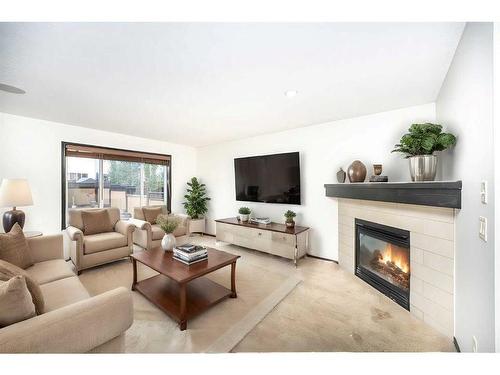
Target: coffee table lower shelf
{"x":201,"y":294}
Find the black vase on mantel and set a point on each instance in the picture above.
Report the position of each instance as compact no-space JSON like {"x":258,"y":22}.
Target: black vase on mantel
{"x":341,"y":176}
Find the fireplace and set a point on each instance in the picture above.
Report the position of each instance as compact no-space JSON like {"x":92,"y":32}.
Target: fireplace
{"x":383,"y":259}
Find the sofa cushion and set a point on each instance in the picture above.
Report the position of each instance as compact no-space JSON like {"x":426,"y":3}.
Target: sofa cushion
{"x":180,"y":231}
{"x":50,"y":270}
{"x":96,"y":221}
{"x":63,"y":292}
{"x":157,"y":232}
{"x":151,"y":213}
{"x":103,"y":241}
{"x":8,"y":270}
{"x":14,"y":248}
{"x":15,"y":301}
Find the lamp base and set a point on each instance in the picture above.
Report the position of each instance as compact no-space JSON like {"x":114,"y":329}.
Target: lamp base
{"x":12,"y":217}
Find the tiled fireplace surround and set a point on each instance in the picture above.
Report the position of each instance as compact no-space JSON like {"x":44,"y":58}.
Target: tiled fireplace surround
{"x":432,"y":248}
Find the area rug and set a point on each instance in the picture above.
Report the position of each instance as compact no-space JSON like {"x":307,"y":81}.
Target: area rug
{"x":219,"y":329}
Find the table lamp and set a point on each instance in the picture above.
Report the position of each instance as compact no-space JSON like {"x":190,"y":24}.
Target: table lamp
{"x":14,"y":192}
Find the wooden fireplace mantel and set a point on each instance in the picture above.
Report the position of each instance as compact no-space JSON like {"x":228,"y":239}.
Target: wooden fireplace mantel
{"x":435,"y":193}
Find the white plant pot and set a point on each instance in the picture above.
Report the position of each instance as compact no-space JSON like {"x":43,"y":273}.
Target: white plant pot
{"x":168,"y":242}
{"x":197,"y":225}
{"x":244,"y":217}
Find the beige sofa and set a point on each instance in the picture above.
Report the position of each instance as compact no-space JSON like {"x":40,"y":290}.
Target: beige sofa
{"x":92,"y":250}
{"x":147,"y":235}
{"x":73,"y":322}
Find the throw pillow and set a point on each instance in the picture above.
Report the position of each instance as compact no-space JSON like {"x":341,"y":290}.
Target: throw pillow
{"x":15,"y":301}
{"x":151,"y":213}
{"x":14,"y":248}
{"x":8,"y":271}
{"x":96,"y":221}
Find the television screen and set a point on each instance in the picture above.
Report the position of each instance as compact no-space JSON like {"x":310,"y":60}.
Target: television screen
{"x":268,"y":178}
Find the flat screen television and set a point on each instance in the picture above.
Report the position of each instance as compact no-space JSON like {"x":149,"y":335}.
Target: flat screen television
{"x":268,"y":178}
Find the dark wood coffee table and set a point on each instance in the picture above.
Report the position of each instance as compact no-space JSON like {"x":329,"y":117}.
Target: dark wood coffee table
{"x":180,"y":290}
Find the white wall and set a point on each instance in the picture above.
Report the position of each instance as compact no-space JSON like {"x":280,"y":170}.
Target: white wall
{"x":31,"y":149}
{"x":464,"y":106}
{"x":496,"y":110}
{"x":323,"y":149}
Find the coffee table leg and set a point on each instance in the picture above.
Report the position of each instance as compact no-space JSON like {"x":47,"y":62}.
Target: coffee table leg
{"x":183,"y":321}
{"x":134,"y":267}
{"x":233,"y":280}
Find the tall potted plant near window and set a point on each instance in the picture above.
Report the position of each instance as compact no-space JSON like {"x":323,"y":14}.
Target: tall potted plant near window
{"x":419,"y":146}
{"x":196,"y":205}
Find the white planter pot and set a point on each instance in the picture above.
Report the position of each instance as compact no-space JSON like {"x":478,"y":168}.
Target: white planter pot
{"x":197,"y":225}
{"x":244,"y":217}
{"x":168,"y":242}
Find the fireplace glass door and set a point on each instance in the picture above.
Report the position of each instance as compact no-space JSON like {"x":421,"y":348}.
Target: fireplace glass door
{"x":383,"y":259}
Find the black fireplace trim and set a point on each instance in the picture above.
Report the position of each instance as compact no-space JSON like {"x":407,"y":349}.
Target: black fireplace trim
{"x":393,"y":235}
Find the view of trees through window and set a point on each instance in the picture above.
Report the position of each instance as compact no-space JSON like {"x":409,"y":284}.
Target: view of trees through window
{"x":125,"y":184}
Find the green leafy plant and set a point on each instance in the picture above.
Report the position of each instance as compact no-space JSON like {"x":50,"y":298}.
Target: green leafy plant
{"x":196,"y":199}
{"x":244,"y":211}
{"x":167,"y":223}
{"x":289,"y":215}
{"x":424,"y":139}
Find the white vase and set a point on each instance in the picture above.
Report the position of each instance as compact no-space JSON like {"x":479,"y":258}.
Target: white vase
{"x":168,"y":242}
{"x":244,"y":217}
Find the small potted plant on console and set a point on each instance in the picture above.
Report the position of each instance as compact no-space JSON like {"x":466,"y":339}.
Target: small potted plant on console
{"x":289,"y":222}
{"x":244,"y":213}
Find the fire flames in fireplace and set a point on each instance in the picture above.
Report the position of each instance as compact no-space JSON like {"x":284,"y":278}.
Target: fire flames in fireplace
{"x":393,"y":263}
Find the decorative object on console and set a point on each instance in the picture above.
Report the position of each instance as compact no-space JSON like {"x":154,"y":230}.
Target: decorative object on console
{"x":14,"y":193}
{"x":419,"y":145}
{"x":244,"y":213}
{"x":259,"y":220}
{"x":341,"y":176}
{"x":289,"y":222}
{"x":168,"y":224}
{"x":377,"y":170}
{"x":356,"y":171}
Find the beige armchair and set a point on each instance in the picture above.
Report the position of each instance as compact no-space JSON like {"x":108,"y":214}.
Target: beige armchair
{"x":72,"y":321}
{"x":92,"y":250}
{"x":148,"y":235}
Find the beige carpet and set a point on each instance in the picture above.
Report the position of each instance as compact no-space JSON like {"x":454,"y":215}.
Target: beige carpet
{"x":216,"y":330}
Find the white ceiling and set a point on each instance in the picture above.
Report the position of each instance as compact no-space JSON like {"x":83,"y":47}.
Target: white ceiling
{"x":203,"y":83}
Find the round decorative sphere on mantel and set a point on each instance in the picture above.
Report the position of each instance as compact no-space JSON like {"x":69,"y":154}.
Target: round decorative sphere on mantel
{"x":356,"y":171}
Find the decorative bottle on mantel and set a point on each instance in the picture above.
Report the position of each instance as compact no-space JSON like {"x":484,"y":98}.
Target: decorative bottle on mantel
{"x":341,"y":176}
{"x":356,"y":171}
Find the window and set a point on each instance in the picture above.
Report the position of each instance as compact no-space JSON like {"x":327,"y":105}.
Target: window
{"x":95,"y":176}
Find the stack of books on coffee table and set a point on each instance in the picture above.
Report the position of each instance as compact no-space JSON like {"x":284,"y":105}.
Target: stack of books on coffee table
{"x":190,"y":254}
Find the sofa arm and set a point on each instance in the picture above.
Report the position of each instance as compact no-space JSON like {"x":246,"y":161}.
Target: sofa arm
{"x":124,"y":227}
{"x":140,"y":224}
{"x":74,"y":233}
{"x":76,"y":328}
{"x":46,"y":247}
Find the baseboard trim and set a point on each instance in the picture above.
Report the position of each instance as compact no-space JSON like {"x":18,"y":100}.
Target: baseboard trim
{"x":455,"y":342}
{"x":325,"y":259}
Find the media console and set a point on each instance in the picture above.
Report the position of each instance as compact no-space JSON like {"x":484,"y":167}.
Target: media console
{"x":273,"y":238}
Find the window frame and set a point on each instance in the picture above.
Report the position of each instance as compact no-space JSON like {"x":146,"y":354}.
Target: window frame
{"x":168,"y":174}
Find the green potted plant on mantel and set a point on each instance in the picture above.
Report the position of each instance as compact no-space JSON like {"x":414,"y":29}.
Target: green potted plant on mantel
{"x":196,"y":205}
{"x":289,"y":222}
{"x":244,"y":213}
{"x":168,"y":224}
{"x":419,"y":146}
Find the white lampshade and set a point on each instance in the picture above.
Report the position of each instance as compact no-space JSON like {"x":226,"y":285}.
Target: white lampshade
{"x":15,"y":192}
